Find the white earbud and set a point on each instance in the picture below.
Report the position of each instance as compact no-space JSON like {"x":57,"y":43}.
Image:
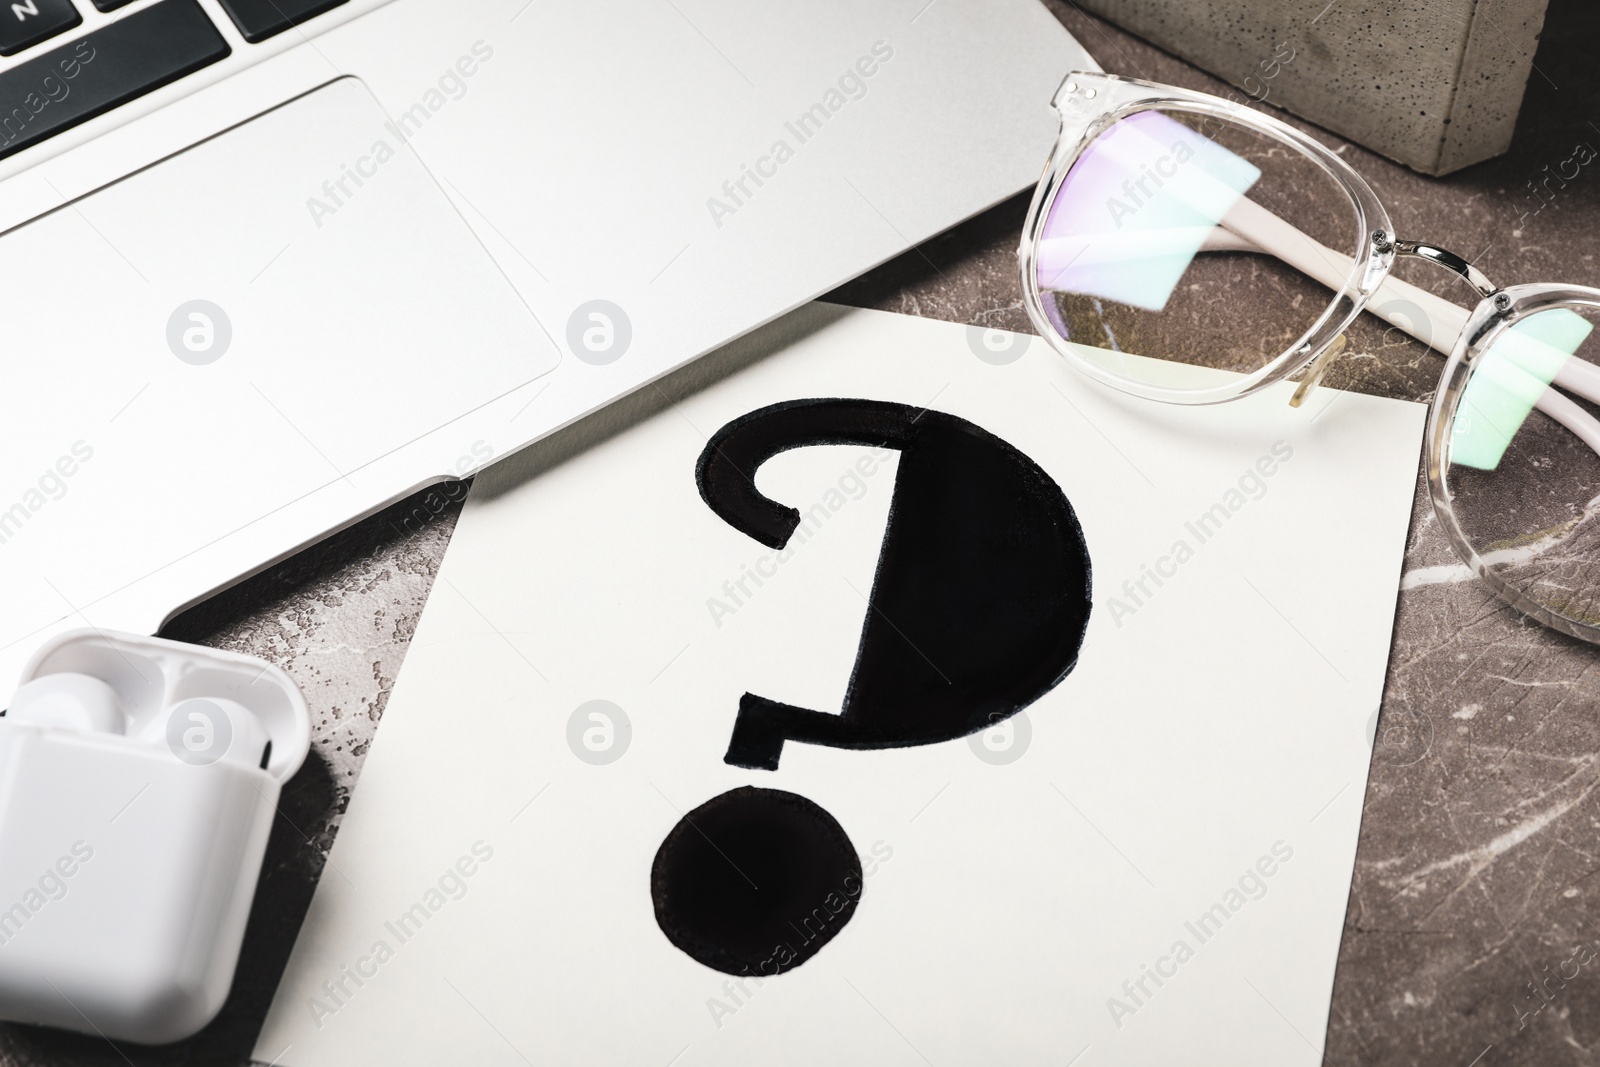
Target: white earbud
{"x":205,"y":730}
{"x":77,"y":702}
{"x":199,"y":731}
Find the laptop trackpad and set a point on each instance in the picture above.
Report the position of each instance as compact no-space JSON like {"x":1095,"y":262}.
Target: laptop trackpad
{"x":222,"y":356}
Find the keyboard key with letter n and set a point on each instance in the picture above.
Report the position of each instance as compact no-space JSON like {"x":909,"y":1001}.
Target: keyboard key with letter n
{"x":24,"y":23}
{"x":103,"y":69}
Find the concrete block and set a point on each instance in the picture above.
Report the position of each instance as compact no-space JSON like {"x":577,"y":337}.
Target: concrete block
{"x":1434,"y":84}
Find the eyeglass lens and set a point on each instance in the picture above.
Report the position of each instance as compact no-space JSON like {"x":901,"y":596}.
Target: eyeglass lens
{"x":1153,"y":241}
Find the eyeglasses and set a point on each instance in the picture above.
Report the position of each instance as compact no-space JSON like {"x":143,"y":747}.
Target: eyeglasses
{"x":1161,"y":210}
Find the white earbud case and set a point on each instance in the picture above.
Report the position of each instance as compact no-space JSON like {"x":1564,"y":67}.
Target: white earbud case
{"x":138,"y":782}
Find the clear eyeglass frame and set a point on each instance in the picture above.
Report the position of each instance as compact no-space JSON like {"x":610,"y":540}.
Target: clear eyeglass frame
{"x":1089,"y":103}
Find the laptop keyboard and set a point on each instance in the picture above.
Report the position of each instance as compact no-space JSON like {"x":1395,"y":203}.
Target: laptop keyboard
{"x":118,"y":61}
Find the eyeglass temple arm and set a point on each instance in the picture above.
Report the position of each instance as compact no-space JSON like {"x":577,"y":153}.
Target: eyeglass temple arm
{"x":1433,"y":320}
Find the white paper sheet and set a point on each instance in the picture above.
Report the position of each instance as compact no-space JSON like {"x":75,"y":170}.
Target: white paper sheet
{"x":1207,"y":756}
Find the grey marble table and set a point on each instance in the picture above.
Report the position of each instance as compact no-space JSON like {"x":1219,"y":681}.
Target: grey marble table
{"x":1480,"y":840}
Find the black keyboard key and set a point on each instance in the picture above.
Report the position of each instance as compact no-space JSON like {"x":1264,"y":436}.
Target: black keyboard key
{"x":111,"y":5}
{"x":24,"y":23}
{"x":259,"y":19}
{"x":103,"y":69}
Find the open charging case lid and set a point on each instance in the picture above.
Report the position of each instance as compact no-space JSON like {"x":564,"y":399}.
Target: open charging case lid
{"x":150,"y":674}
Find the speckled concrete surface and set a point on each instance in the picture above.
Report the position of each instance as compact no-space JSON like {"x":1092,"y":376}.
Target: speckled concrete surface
{"x":1432,"y":83}
{"x":1480,"y":843}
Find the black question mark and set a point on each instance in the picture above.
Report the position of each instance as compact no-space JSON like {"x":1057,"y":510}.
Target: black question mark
{"x":978,"y":608}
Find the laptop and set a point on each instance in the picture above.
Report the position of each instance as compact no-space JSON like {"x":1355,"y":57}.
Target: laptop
{"x":272,"y":265}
